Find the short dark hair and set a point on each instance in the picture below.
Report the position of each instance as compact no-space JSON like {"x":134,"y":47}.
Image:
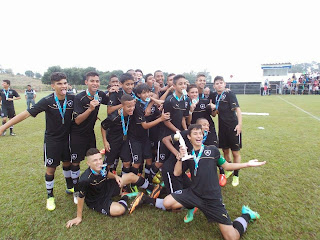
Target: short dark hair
{"x":217,"y":78}
{"x":171,"y":74}
{"x":193,"y":126}
{"x":112,"y":76}
{"x":126,"y":98}
{"x":157,"y":72}
{"x":28,"y":85}
{"x":139,"y":70}
{"x":57,"y":76}
{"x":200,"y":75}
{"x":109,"y":86}
{"x":125,"y":77}
{"x":200,"y":119}
{"x":148,"y":75}
{"x":6,"y":81}
{"x":191,"y":86}
{"x":177,"y":77}
{"x":141,"y":88}
{"x":92,"y":151}
{"x":91,"y":74}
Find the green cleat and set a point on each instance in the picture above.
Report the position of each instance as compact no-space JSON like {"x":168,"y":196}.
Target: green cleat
{"x":50,"y":204}
{"x":189,"y":216}
{"x":228,"y":173}
{"x":134,"y":188}
{"x":247,"y":210}
{"x":70,"y":190}
{"x":235,"y":181}
{"x":131,"y":195}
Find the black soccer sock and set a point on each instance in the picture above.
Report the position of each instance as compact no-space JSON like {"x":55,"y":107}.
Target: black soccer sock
{"x":135,"y":170}
{"x":141,"y":168}
{"x":236,"y":173}
{"x":241,"y":223}
{"x":11,"y":129}
{"x":147,"y":171}
{"x":143,"y":183}
{"x":153,"y":171}
{"x":125,"y":170}
{"x":124,"y":202}
{"x":49,"y":184}
{"x":67,"y":175}
{"x":157,"y":202}
{"x":221,"y":170}
{"x":75,"y":173}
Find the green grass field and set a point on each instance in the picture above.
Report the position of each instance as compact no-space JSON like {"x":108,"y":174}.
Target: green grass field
{"x":285,"y":191}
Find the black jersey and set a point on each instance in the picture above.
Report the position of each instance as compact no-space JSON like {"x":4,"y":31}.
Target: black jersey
{"x":114,"y":97}
{"x":227,"y":103}
{"x":205,"y":183}
{"x":178,"y":110}
{"x":113,"y":125}
{"x":55,"y":130}
{"x":93,"y":187}
{"x":136,"y":131}
{"x":81,"y":104}
{"x":210,"y":97}
{"x":153,"y":132}
{"x":203,"y":110}
{"x":10,"y":93}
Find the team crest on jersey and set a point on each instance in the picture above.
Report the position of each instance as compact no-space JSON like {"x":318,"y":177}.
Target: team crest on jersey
{"x":70,"y":103}
{"x":186,"y":104}
{"x":223,"y":97}
{"x":202,"y":106}
{"x":207,"y":152}
{"x":162,"y":156}
{"x":49,"y":161}
{"x":135,"y":158}
{"x":153,"y":109}
{"x":100,"y":98}
{"x":74,"y":156}
{"x":110,"y":102}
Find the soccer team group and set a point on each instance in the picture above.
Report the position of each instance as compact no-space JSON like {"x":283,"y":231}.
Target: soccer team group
{"x":163,"y":134}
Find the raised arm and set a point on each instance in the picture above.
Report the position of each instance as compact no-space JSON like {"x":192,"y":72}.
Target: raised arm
{"x":20,"y":117}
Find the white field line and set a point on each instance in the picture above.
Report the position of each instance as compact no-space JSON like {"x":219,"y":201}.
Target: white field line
{"x":255,"y":114}
{"x":300,"y":109}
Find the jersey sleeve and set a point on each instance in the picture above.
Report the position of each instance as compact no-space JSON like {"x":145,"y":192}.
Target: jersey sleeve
{"x":139,"y":114}
{"x":77,"y":107}
{"x":15,"y":93}
{"x":113,"y":99}
{"x":82,"y":187}
{"x":39,"y":107}
{"x":104,"y":98}
{"x":212,"y":96}
{"x":106,"y":124}
{"x":233,"y":101}
{"x":167,"y":106}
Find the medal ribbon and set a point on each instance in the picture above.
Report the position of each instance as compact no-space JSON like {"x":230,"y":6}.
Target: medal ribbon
{"x":131,"y":94}
{"x":6,"y":93}
{"x":196,"y":159}
{"x":218,"y":100}
{"x":62,"y":111}
{"x":102,"y":172}
{"x":205,"y":135}
{"x":124,"y":127}
{"x":95,"y":97}
{"x":178,"y":99}
{"x":145,"y":103}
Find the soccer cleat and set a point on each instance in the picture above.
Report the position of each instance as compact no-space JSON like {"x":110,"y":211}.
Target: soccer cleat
{"x":156,"y":180}
{"x":235,"y":181}
{"x":50,"y":204}
{"x":4,"y":132}
{"x":156,"y":191}
{"x":189,"y":216}
{"x":136,"y":202}
{"x":222,"y":180}
{"x":253,"y":215}
{"x":134,"y":188}
{"x":12,"y":134}
{"x":70,"y":190}
{"x":75,"y":197}
{"x":228,"y":173}
{"x":130,"y":195}
{"x":158,"y":175}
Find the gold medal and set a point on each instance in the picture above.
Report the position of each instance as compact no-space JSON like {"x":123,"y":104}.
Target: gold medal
{"x":124,"y":137}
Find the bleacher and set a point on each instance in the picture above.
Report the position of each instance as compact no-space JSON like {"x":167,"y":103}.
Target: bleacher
{"x":241,"y":87}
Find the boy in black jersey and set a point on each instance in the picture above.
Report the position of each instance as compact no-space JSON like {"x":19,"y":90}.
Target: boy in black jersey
{"x":114,"y":130}
{"x":205,"y":191}
{"x":97,"y":186}
{"x":58,"y":107}
{"x":127,"y":85}
{"x":86,"y":109}
{"x":7,"y":96}
{"x":139,"y":143}
{"x":201,"y":84}
{"x":230,"y":124}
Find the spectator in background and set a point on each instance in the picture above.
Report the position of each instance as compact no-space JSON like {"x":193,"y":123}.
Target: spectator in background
{"x":206,"y":92}
{"x":30,"y":96}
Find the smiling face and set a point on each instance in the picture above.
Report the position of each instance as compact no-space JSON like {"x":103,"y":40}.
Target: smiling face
{"x":159,"y":78}
{"x":5,"y":85}
{"x":150,"y":81}
{"x":193,"y":93}
{"x":170,"y":80}
{"x":219,"y":86}
{"x":180,"y":85}
{"x":60,"y":87}
{"x":95,"y":162}
{"x":204,"y":124}
{"x":128,"y":86}
{"x":144,"y":95}
{"x":201,"y":82}
{"x":128,"y":107}
{"x":93,"y":83}
{"x":195,"y":138}
{"x":114,"y":81}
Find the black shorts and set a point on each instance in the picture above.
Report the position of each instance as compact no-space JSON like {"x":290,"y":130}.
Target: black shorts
{"x":139,"y":151}
{"x":213,"y":209}
{"x":118,"y":148}
{"x":228,"y":139}
{"x":79,"y":145}
{"x":104,"y":205}
{"x":8,"y":112}
{"x":54,"y":152}
{"x":162,"y":152}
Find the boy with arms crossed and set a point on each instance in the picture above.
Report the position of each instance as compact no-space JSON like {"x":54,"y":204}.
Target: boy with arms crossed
{"x":58,"y":107}
{"x":230,"y":124}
